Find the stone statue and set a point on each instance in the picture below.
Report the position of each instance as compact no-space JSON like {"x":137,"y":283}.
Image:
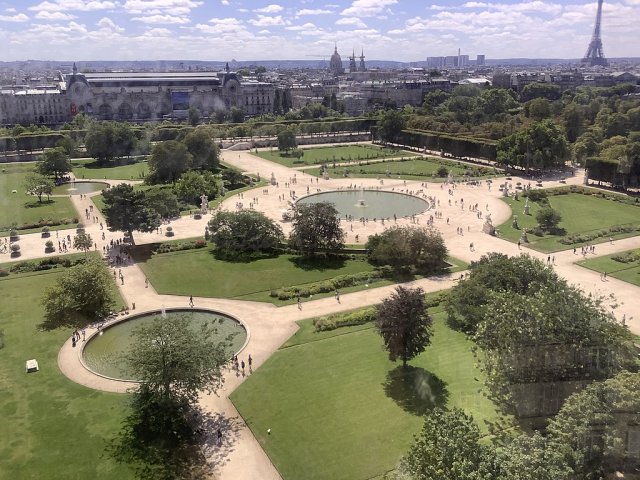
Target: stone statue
{"x":526,"y":207}
{"x":204,"y":204}
{"x":505,"y":190}
{"x":515,"y":222}
{"x":325,"y":175}
{"x":488,"y":227}
{"x":273,"y":179}
{"x":523,"y":237}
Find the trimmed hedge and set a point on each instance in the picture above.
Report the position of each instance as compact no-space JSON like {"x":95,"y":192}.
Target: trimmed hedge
{"x":45,"y":264}
{"x":590,"y":236}
{"x":178,"y":246}
{"x":459,"y":146}
{"x":326,"y":286}
{"x":337,"y":320}
{"x":628,"y":257}
{"x":41,"y":223}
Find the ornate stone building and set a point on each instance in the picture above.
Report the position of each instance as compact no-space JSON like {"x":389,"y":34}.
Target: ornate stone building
{"x":136,"y":97}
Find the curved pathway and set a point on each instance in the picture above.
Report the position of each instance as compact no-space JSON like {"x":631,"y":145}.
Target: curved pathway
{"x":241,"y":456}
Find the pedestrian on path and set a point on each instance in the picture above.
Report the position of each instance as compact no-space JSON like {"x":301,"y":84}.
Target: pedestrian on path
{"x":337,"y":296}
{"x":146,"y":283}
{"x":219,"y":437}
{"x":299,"y":304}
{"x":242,"y":365}
{"x":250,"y":362}
{"x":191,"y":301}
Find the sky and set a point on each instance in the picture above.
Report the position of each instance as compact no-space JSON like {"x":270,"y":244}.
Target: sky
{"x":402,"y":30}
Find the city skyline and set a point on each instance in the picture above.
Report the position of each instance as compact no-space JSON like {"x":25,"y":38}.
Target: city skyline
{"x":402,"y":30}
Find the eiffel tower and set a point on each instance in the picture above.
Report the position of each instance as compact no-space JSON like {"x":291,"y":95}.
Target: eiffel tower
{"x":594,"y":55}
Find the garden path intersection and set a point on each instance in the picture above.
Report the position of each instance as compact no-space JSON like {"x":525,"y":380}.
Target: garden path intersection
{"x":270,"y":326}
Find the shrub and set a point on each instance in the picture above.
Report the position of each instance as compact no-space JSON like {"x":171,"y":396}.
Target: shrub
{"x":3,"y":272}
{"x":169,"y":231}
{"x":44,"y":264}
{"x":628,"y":257}
{"x":13,"y":234}
{"x":539,"y":196}
{"x":442,"y":171}
{"x":548,"y":218}
{"x":15,"y":250}
{"x":45,"y":232}
{"x":80,"y":228}
{"x":48,"y":246}
{"x":358,"y":317}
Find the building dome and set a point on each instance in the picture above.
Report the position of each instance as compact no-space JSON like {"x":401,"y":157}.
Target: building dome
{"x":335,"y":65}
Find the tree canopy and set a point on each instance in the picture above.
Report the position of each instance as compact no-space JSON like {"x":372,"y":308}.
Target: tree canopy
{"x":108,"y":140}
{"x":391,"y":123}
{"x":316,"y":227}
{"x":287,"y":140}
{"x":54,"y":162}
{"x":542,"y":145}
{"x":193,"y":184}
{"x":163,"y":201}
{"x":247,"y":232}
{"x":408,"y":247}
{"x":404,"y":324}
{"x":204,"y":152}
{"x":80,"y":296}
{"x":168,"y":160}
{"x":38,"y":185}
{"x":127,"y":210}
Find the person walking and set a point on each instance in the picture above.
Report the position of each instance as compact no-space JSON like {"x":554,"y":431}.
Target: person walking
{"x":219,"y":437}
{"x":250,"y":362}
{"x":337,"y":296}
{"x":191,"y":301}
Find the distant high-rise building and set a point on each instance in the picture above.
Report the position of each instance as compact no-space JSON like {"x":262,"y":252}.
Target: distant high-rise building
{"x":463,"y":61}
{"x":435,"y":62}
{"x":480,"y":61}
{"x":451,"y":61}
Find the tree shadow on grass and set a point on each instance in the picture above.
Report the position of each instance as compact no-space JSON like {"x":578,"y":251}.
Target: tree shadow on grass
{"x":415,"y":390}
{"x":320,"y":263}
{"x":37,"y":204}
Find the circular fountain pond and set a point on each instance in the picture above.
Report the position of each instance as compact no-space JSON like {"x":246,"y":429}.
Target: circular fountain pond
{"x":370,"y":203}
{"x":77,"y":188}
{"x":104,"y":353}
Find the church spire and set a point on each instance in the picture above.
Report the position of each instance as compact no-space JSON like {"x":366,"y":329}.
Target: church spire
{"x":75,"y":69}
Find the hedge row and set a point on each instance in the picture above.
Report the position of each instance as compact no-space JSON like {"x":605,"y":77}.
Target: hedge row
{"x":179,"y":246}
{"x":628,"y":257}
{"x":458,"y":146}
{"x":326,"y":286}
{"x":43,"y":222}
{"x":590,"y":236}
{"x":615,"y":197}
{"x":45,"y":264}
{"x":337,"y":320}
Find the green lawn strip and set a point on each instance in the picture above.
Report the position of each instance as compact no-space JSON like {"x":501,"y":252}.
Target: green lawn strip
{"x":627,"y":272}
{"x":417,"y":169}
{"x":20,"y":208}
{"x":338,"y":154}
{"x":345,"y":398}
{"x":580,"y":214}
{"x":51,"y":427}
{"x":89,"y":169}
{"x":199,"y":273}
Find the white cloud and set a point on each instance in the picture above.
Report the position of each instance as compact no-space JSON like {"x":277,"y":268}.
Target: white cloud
{"x":273,"y":8}
{"x":172,"y":7}
{"x":162,"y":19}
{"x":19,"y":18}
{"x":225,"y":2}
{"x":70,"y":5}
{"x":356,"y":22}
{"x":157,"y":32}
{"x":302,"y":28}
{"x":266,"y":21}
{"x":367,"y":8}
{"x":313,"y":11}
{"x":10,"y":10}
{"x":225,"y":21}
{"x":105,"y":23}
{"x":46,"y":15}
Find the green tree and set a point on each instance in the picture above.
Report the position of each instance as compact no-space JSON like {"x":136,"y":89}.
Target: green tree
{"x":540,"y":90}
{"x":174,"y":363}
{"x":573,"y":120}
{"x":80,"y":296}
{"x":593,"y":430}
{"x":163,"y":201}
{"x":408,"y":247}
{"x":247,"y":232}
{"x":448,"y":448}
{"x":315,"y":227}
{"x":168,"y":161}
{"x":493,"y":272}
{"x":531,"y":457}
{"x":38,"y":185}
{"x":391,"y":123}
{"x":538,"y":109}
{"x":287,"y":140}
{"x":194,"y":116}
{"x":126,"y":209}
{"x":83,"y":241}
{"x":68,"y":145}
{"x":542,"y":145}
{"x":548,"y":218}
{"x":236,"y":115}
{"x":192,"y":185}
{"x":404,"y":324}
{"x":54,"y":162}
{"x":495,"y":101}
{"x":108,"y":140}
{"x":204,"y":152}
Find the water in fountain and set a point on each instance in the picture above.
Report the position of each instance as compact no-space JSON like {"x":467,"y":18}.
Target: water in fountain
{"x":361,"y":198}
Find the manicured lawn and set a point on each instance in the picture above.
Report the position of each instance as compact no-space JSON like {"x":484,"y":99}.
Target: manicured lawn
{"x":51,"y":427}
{"x":338,"y":154}
{"x":415,"y":169}
{"x":580,"y":214}
{"x":87,"y":168}
{"x":198,"y":273}
{"x":339,"y":409}
{"x":20,"y":208}
{"x":627,"y":272}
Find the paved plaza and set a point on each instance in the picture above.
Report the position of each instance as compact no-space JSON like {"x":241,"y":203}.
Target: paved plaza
{"x":270,"y":326}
